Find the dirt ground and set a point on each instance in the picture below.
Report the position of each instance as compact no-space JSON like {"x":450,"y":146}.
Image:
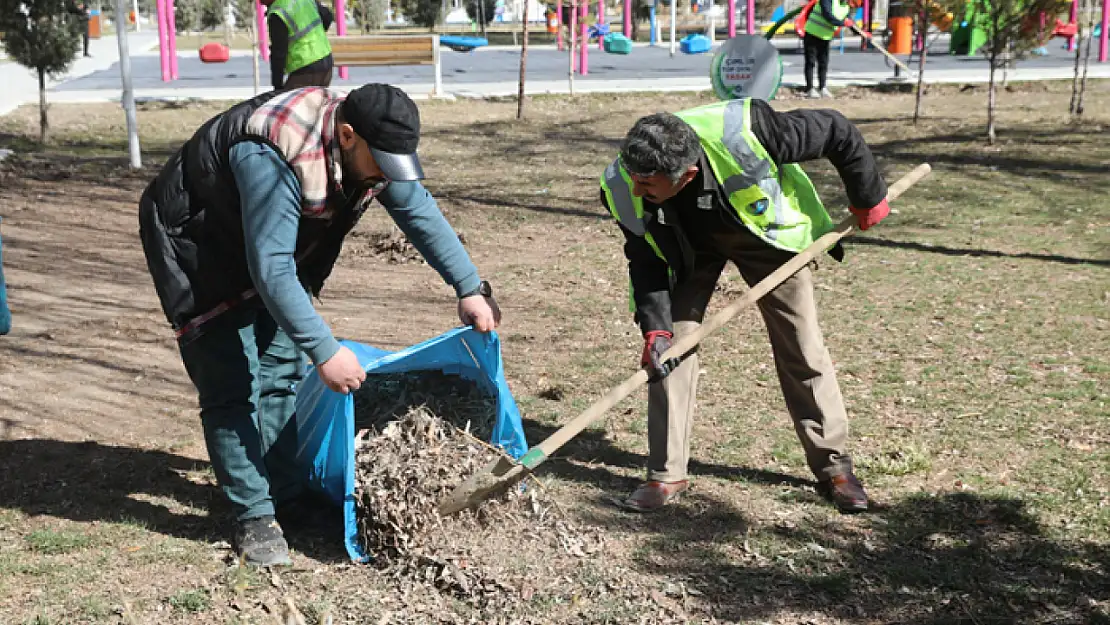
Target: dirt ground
{"x":969,"y":332}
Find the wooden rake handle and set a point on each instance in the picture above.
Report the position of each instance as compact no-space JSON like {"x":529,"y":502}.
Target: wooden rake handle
{"x":686,"y":342}
{"x":871,"y":40}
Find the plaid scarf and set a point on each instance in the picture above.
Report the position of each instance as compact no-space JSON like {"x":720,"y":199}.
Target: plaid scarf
{"x":300,"y":124}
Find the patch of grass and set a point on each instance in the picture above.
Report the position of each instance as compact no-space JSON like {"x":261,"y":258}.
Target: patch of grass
{"x":94,"y":607}
{"x":241,"y":579}
{"x":190,"y":601}
{"x":895,"y":461}
{"x":56,"y":542}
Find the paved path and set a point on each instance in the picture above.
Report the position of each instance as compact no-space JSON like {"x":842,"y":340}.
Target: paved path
{"x":493,"y":72}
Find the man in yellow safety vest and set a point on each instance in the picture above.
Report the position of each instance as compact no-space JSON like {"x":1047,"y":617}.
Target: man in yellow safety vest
{"x":299,"y":45}
{"x":825,"y":17}
{"x":718,"y":183}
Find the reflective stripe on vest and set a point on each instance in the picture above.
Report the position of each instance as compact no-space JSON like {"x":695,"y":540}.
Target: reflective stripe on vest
{"x":819,"y":27}
{"x":628,"y":210}
{"x":308,"y":42}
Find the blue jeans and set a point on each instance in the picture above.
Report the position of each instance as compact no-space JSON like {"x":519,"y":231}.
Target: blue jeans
{"x":5,"y":314}
{"x":245,"y":369}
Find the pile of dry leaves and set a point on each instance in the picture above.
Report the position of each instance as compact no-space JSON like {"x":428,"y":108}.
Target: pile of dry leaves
{"x":392,"y":246}
{"x":420,"y":435}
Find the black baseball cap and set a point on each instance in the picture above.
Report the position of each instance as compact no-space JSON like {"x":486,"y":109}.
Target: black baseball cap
{"x":389,"y":121}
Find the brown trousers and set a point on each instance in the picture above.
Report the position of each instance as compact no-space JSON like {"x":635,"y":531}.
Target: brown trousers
{"x":308,"y":79}
{"x":804,"y":367}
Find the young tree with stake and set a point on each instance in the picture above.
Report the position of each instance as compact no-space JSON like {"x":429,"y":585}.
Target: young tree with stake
{"x":44,"y":36}
{"x":1013,"y":28}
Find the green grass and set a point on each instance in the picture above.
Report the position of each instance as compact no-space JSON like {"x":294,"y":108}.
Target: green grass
{"x":190,"y":601}
{"x":53,"y":542}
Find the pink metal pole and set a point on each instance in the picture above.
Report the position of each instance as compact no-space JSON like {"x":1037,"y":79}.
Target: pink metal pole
{"x":731,"y":18}
{"x":260,"y":28}
{"x":751,"y":17}
{"x":628,"y":18}
{"x":573,"y":8}
{"x":1104,"y":36}
{"x":1073,"y":18}
{"x":341,"y":29}
{"x":171,"y":29}
{"x":866,"y":25}
{"x":584,"y":64}
{"x":559,"y":18}
{"x":163,"y":41}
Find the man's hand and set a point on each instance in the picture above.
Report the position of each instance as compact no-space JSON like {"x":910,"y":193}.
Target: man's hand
{"x":848,"y":24}
{"x":656,"y":343}
{"x":480,"y":312}
{"x":341,"y":372}
{"x":870,"y":216}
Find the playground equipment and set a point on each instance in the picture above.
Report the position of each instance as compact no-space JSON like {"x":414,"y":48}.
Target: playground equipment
{"x":459,"y":43}
{"x":695,"y":44}
{"x":616,"y":43}
{"x":214,"y":52}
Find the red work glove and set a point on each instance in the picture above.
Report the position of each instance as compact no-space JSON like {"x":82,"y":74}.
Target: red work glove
{"x":656,"y":343}
{"x":848,"y":22}
{"x":870,"y":216}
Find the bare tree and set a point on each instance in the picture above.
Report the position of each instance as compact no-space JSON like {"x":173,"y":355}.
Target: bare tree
{"x":923,"y":29}
{"x":1077,"y":98}
{"x":523,"y":62}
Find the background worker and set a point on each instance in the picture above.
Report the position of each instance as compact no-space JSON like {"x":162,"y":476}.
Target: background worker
{"x":241,"y":228}
{"x":824,"y":18}
{"x":299,"y":45}
{"x":715,"y":184}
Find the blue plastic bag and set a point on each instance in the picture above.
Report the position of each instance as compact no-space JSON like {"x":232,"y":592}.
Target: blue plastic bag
{"x":326,"y":419}
{"x":5,"y":314}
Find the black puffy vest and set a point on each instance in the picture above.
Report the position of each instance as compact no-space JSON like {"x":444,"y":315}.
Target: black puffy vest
{"x":191,"y":225}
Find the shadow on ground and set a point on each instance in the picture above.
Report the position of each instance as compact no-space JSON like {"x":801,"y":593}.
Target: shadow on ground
{"x":949,"y":558}
{"x":89,"y":481}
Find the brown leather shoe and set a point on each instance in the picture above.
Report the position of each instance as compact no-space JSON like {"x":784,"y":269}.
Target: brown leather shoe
{"x":845,"y":491}
{"x":651,"y":496}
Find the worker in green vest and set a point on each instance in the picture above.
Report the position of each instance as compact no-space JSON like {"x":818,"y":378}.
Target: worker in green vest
{"x":825,"y":17}
{"x":299,"y":44}
{"x":720,"y":183}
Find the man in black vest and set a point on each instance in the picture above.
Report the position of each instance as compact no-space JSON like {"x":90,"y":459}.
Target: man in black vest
{"x":240,"y":229}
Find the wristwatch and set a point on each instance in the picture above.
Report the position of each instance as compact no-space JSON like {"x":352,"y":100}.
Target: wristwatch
{"x":484,"y":289}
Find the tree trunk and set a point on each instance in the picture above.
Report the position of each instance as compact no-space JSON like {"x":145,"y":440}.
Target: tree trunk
{"x":523,"y":63}
{"x":1086,"y":63}
{"x":227,"y":23}
{"x":990,"y":101}
{"x":1075,"y":82}
{"x":44,"y":123}
{"x":921,"y":61}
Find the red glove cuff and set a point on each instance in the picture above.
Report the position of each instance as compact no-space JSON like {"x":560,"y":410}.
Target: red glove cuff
{"x":870,"y":216}
{"x":649,"y":340}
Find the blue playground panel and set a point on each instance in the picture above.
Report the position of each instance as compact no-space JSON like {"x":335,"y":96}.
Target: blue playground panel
{"x":695,"y":44}
{"x":459,"y":43}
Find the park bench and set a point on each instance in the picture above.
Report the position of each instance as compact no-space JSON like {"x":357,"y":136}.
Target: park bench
{"x":371,"y":50}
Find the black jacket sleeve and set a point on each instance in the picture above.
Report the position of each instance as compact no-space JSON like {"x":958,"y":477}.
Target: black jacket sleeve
{"x":279,"y":49}
{"x":326,"y":16}
{"x":651,"y":284}
{"x":826,"y":12}
{"x":809,"y":134}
